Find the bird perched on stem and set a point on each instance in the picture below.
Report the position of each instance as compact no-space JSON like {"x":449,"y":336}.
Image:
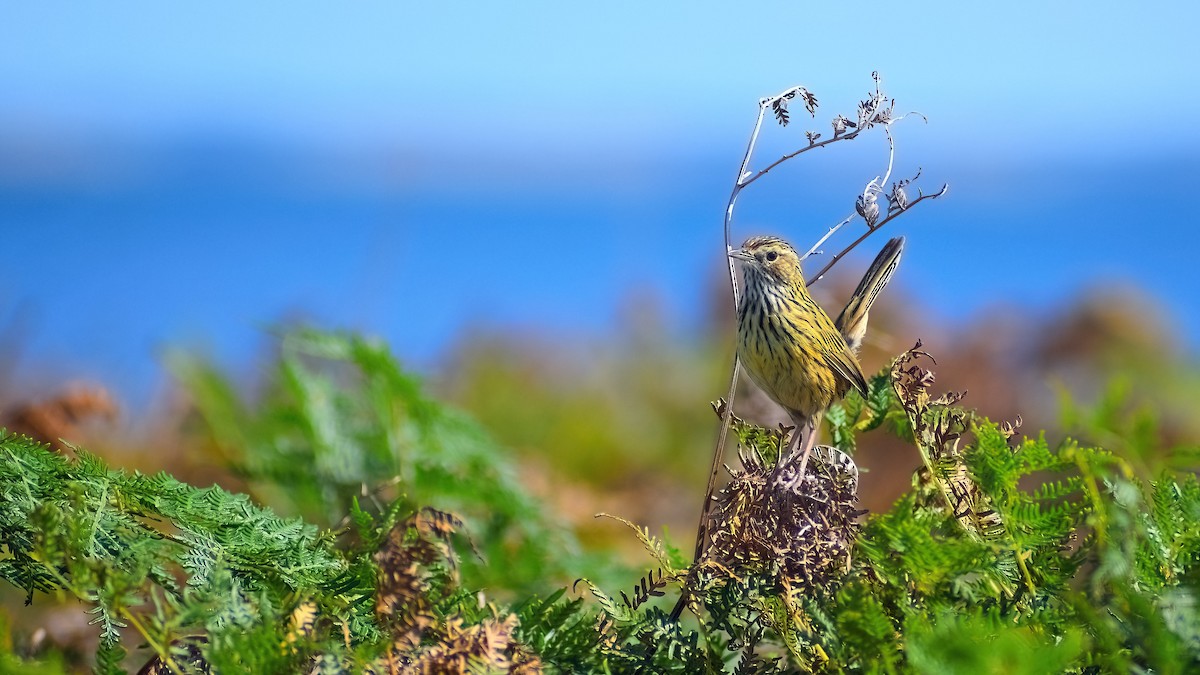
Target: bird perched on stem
{"x":790,"y":347}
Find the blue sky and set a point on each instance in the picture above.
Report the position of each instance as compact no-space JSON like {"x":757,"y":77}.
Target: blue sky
{"x":185,"y":176}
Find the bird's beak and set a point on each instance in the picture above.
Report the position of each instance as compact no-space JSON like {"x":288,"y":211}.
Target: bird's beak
{"x":740,"y":254}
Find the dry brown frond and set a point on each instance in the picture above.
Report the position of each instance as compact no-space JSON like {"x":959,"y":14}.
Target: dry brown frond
{"x":938,"y":428}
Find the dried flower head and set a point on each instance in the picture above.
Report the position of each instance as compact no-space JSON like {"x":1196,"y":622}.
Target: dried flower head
{"x":841,"y":123}
{"x":867,"y":207}
{"x":876,"y":108}
{"x":897,"y":198}
{"x":797,"y":532}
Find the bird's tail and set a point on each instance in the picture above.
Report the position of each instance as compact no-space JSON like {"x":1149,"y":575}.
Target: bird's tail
{"x":852,"y":322}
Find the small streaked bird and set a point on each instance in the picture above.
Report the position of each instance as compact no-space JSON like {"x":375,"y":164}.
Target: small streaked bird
{"x":789,"y":346}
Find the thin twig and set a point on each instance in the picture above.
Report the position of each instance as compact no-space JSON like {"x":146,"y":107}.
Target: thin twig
{"x":163,"y":651}
{"x":887,"y":129}
{"x":812,"y":146}
{"x":723,"y":433}
{"x":829,"y":233}
{"x":887,"y":219}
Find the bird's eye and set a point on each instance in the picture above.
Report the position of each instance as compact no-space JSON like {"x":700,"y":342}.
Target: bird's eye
{"x":772,"y":256}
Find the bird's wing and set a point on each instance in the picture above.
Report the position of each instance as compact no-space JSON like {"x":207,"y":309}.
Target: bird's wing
{"x":852,"y":322}
{"x":843,"y":362}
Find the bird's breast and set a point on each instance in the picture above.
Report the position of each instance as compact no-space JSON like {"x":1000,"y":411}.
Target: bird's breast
{"x":778,"y":345}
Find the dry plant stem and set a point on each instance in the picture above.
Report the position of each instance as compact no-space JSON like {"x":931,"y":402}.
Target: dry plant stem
{"x":887,"y":129}
{"x":723,"y":434}
{"x":872,"y":230}
{"x":828,"y":233}
{"x":829,"y":141}
{"x":163,"y":651}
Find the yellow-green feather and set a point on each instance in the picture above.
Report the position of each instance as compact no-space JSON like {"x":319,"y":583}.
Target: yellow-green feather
{"x":787,"y":343}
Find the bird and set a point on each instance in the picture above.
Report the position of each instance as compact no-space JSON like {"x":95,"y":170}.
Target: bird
{"x":790,"y":347}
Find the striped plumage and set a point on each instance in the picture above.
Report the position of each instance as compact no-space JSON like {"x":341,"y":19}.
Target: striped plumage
{"x":788,"y":345}
{"x":852,"y":322}
{"x":786,"y":342}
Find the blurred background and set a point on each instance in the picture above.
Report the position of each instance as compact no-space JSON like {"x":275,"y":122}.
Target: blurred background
{"x":524,"y":200}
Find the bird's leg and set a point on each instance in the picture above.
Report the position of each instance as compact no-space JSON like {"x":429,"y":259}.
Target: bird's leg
{"x":808,"y":436}
{"x":786,"y":452}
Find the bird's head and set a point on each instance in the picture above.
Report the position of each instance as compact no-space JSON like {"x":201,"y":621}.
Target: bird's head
{"x":772,"y":257}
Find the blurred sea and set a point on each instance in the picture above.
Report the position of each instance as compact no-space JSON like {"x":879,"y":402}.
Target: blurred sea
{"x":113,"y":253}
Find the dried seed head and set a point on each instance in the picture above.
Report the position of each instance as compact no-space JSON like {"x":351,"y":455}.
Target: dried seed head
{"x":800,"y":532}
{"x":866,"y":207}
{"x":897,"y":199}
{"x":840,"y":124}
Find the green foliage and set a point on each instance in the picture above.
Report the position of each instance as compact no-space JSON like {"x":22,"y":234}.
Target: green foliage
{"x":122,"y":542}
{"x":1126,"y":428}
{"x":975,"y":644}
{"x":602,"y":412}
{"x":1008,"y":555}
{"x":339,"y":419}
{"x":856,"y":414}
